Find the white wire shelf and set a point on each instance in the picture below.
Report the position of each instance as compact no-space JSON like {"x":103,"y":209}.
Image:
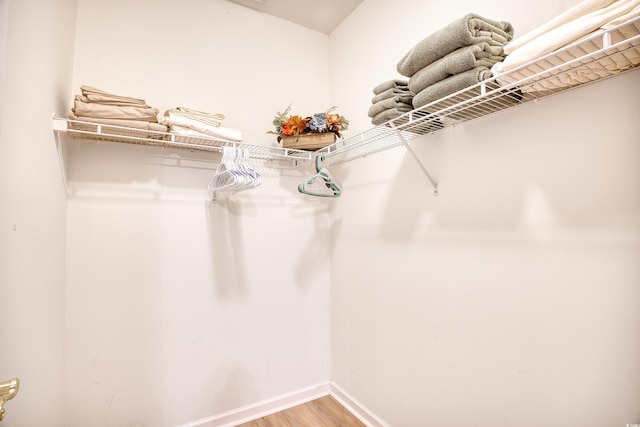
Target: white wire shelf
{"x":594,"y":58}
{"x":109,"y":133}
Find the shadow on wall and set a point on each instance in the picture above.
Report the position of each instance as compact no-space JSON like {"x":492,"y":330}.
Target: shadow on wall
{"x":561,"y":174}
{"x":118,"y":164}
{"x":315,"y":256}
{"x":227,"y":247}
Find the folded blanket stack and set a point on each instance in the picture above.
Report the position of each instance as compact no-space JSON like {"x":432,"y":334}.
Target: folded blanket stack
{"x":455,"y":57}
{"x":571,"y":29}
{"x":391,"y":99}
{"x":188,"y":122}
{"x":97,"y":106}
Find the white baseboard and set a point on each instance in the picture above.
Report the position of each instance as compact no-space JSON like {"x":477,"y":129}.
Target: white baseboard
{"x":288,"y":400}
{"x":263,"y":408}
{"x":356,"y":408}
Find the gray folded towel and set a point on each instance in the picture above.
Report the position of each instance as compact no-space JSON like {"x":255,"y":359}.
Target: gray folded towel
{"x":458,"y":61}
{"x":387,"y":115}
{"x":403,"y":93}
{"x":468,"y":30}
{"x":390,"y":84}
{"x":451,"y":85}
{"x":399,"y":118}
{"x":385,"y":104}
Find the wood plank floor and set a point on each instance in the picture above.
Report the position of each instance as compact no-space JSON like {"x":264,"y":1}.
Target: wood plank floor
{"x":322,"y":412}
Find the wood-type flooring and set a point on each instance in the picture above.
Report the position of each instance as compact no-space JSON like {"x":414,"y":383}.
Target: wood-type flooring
{"x":322,"y":412}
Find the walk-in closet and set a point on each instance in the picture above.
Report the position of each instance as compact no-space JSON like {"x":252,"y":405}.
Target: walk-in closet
{"x":472,"y":258}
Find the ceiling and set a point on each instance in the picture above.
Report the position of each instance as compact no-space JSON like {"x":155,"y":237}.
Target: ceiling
{"x":320,"y":15}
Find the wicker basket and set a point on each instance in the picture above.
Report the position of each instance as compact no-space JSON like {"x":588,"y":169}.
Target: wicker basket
{"x":308,"y":141}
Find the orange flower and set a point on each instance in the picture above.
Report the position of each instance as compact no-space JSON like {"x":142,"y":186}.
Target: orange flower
{"x":286,"y":129}
{"x":294,"y":126}
{"x":333,"y":119}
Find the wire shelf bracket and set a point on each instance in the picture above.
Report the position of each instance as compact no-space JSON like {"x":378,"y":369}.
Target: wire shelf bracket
{"x":433,"y":182}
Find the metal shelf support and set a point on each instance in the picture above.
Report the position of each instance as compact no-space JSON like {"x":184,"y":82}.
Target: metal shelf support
{"x":434,"y":183}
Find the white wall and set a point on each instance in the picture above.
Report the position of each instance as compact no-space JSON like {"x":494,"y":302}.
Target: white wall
{"x":178,"y":309}
{"x":36,"y":53}
{"x":510,"y":299}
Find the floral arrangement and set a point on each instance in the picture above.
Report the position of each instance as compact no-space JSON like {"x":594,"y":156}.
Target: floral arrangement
{"x":293,"y":125}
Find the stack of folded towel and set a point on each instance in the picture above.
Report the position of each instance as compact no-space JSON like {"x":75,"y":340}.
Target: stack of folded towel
{"x":391,"y":99}
{"x":97,"y":106}
{"x":188,"y":122}
{"x":455,"y":57}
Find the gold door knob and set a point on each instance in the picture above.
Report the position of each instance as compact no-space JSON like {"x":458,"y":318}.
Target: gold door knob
{"x":8,"y":390}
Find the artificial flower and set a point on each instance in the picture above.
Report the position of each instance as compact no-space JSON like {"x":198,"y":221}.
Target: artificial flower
{"x":293,"y":125}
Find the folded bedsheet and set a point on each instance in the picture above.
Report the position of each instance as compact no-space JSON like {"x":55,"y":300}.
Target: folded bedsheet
{"x":451,"y":85}
{"x":549,"y":74}
{"x":390,"y":84}
{"x":212,"y":119}
{"x":105,"y":111}
{"x":468,"y":30}
{"x":577,"y":11}
{"x":187,"y":126}
{"x":567,"y":33}
{"x":139,"y":127}
{"x":217,"y":132}
{"x":93,"y":94}
{"x":456,"y":62}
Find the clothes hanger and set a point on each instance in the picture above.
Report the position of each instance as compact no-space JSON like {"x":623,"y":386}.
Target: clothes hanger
{"x":233,"y":173}
{"x":243,"y":163}
{"x":227,"y":176}
{"x":322,"y":183}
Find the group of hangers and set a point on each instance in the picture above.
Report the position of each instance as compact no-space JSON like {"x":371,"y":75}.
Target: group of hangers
{"x":321,"y":184}
{"x":233,"y":173}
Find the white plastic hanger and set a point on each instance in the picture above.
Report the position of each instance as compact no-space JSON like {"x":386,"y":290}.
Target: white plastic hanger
{"x":233,"y":173}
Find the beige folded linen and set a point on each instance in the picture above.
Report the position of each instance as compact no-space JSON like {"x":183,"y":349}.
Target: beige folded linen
{"x":200,"y":113}
{"x":93,"y":94}
{"x":565,"y":34}
{"x":105,"y":101}
{"x":581,"y":9}
{"x":211,"y":119}
{"x":216,"y":132}
{"x":123,"y":112}
{"x":549,"y":73}
{"x":115,"y":128}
